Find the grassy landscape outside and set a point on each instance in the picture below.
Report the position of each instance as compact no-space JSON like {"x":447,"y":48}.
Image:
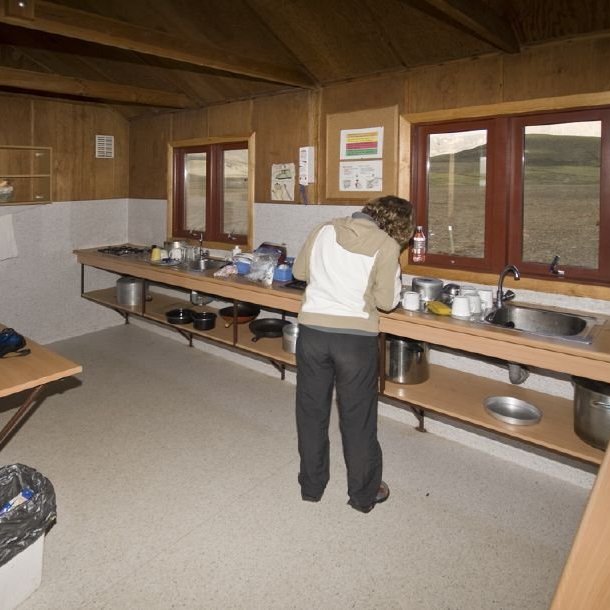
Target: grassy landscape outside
{"x":561,"y":201}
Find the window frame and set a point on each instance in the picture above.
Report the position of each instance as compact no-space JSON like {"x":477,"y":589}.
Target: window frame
{"x":503,"y":200}
{"x":214,"y":236}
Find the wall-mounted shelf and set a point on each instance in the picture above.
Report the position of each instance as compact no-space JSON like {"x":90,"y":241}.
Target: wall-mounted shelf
{"x":25,"y":175}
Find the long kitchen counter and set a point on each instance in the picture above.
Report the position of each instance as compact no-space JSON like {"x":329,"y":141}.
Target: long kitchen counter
{"x":591,"y":361}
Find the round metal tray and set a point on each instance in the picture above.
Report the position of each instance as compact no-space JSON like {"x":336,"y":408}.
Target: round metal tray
{"x":512,"y":410}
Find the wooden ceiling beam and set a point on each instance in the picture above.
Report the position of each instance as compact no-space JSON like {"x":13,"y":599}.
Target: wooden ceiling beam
{"x":73,"y":23}
{"x":478,"y":18}
{"x":111,"y":92}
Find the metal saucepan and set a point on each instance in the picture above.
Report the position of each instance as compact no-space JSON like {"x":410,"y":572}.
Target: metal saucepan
{"x":267,"y":327}
{"x":180,"y":315}
{"x":204,"y":320}
{"x":246,"y":312}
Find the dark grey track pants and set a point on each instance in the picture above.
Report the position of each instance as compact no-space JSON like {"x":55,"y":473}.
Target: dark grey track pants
{"x":349,"y":362}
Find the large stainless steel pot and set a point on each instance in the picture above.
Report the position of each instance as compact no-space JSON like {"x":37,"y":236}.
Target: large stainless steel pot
{"x":129,"y":291}
{"x":429,"y":288}
{"x":406,"y":360}
{"x":592,"y":411}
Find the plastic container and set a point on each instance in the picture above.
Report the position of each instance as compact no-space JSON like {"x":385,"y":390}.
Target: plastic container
{"x":282,"y":273}
{"x":243,"y":267}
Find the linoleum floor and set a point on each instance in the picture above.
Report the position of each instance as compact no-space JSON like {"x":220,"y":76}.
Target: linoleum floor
{"x":176,"y":480}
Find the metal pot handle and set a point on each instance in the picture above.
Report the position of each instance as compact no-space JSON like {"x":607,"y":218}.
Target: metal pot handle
{"x":600,"y":403}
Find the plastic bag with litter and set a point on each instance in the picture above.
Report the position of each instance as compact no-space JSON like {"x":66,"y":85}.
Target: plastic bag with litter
{"x":27,"y":508}
{"x":263,"y":266}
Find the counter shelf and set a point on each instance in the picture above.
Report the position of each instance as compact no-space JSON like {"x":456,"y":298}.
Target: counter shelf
{"x":158,"y":303}
{"x":450,"y":393}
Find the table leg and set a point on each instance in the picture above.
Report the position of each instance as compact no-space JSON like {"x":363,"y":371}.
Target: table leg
{"x":23,"y":410}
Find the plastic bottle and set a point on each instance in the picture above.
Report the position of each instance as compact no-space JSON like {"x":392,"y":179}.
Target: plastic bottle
{"x":419,"y":245}
{"x":23,"y":496}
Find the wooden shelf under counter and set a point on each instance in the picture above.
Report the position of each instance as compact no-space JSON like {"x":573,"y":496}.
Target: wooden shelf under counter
{"x":460,"y":395}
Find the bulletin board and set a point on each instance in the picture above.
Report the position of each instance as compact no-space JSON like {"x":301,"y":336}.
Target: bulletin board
{"x":352,"y":176}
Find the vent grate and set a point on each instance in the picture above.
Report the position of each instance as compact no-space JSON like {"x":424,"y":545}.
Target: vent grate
{"x":104,"y":147}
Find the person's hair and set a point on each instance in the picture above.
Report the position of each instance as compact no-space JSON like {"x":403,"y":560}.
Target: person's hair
{"x":394,"y":216}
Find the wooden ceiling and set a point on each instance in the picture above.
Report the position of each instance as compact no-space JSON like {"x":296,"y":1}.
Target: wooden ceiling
{"x":149,"y":55}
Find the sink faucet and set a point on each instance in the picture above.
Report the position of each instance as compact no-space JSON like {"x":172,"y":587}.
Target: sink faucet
{"x":554,"y":267}
{"x":500,"y":296}
{"x":199,"y":235}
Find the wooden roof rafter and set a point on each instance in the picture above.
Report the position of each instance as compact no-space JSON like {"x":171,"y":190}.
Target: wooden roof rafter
{"x":31,"y":80}
{"x":476,"y":17}
{"x":73,"y":23}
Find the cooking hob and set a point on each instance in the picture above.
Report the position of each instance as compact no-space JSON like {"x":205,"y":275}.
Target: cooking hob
{"x":123,"y":250}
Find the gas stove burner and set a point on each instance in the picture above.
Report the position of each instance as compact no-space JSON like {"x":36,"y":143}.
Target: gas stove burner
{"x":122,"y":250}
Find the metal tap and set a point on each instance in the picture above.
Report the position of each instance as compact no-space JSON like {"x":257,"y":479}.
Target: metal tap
{"x":199,"y":236}
{"x":501,"y":295}
{"x":554,"y":267}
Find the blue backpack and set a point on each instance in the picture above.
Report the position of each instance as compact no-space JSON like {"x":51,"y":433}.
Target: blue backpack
{"x":12,"y":341}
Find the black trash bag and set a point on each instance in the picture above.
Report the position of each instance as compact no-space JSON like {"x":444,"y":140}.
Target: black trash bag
{"x":22,"y":525}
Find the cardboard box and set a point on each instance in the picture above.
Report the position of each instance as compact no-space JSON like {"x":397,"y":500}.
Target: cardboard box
{"x":21,"y":576}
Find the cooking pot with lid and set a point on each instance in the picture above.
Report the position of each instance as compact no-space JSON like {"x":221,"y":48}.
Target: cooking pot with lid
{"x":129,"y":291}
{"x":592,"y":411}
{"x":429,"y":288}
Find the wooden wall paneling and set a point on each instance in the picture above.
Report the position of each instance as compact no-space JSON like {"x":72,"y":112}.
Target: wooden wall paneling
{"x":149,"y":137}
{"x":230,"y":119}
{"x":557,"y":69}
{"x":189,"y":124}
{"x":16,"y":123}
{"x":111,"y":176}
{"x":58,"y":124}
{"x":459,"y":83}
{"x":70,"y":130}
{"x":282,"y":124}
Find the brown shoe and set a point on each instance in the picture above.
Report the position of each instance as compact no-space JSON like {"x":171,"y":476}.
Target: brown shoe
{"x":383,"y":493}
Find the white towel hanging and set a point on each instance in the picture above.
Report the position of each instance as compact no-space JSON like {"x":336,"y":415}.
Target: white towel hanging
{"x":8,"y":245}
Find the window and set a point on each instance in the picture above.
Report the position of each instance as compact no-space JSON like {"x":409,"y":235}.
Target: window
{"x":520,"y":189}
{"x":211,"y":192}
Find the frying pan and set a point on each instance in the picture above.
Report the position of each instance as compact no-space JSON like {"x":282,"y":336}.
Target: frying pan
{"x":267,"y":327}
{"x":245,"y":313}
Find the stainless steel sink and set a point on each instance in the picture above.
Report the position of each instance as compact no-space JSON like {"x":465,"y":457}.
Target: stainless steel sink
{"x":545,"y":322}
{"x":203,"y":264}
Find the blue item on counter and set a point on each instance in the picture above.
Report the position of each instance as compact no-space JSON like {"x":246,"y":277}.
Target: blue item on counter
{"x":283,"y":273}
{"x":243,"y":267}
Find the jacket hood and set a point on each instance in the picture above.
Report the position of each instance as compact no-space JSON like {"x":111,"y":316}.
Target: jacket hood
{"x":360,"y":234}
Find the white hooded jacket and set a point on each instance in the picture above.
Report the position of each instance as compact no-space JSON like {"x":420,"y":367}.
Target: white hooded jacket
{"x":351,"y":269}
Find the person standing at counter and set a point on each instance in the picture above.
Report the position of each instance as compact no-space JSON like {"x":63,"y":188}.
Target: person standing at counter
{"x":351,"y":268}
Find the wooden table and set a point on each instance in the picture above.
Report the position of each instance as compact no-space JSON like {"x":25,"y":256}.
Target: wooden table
{"x":32,"y":372}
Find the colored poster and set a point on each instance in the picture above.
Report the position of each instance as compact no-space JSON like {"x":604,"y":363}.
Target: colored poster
{"x":364,"y":143}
